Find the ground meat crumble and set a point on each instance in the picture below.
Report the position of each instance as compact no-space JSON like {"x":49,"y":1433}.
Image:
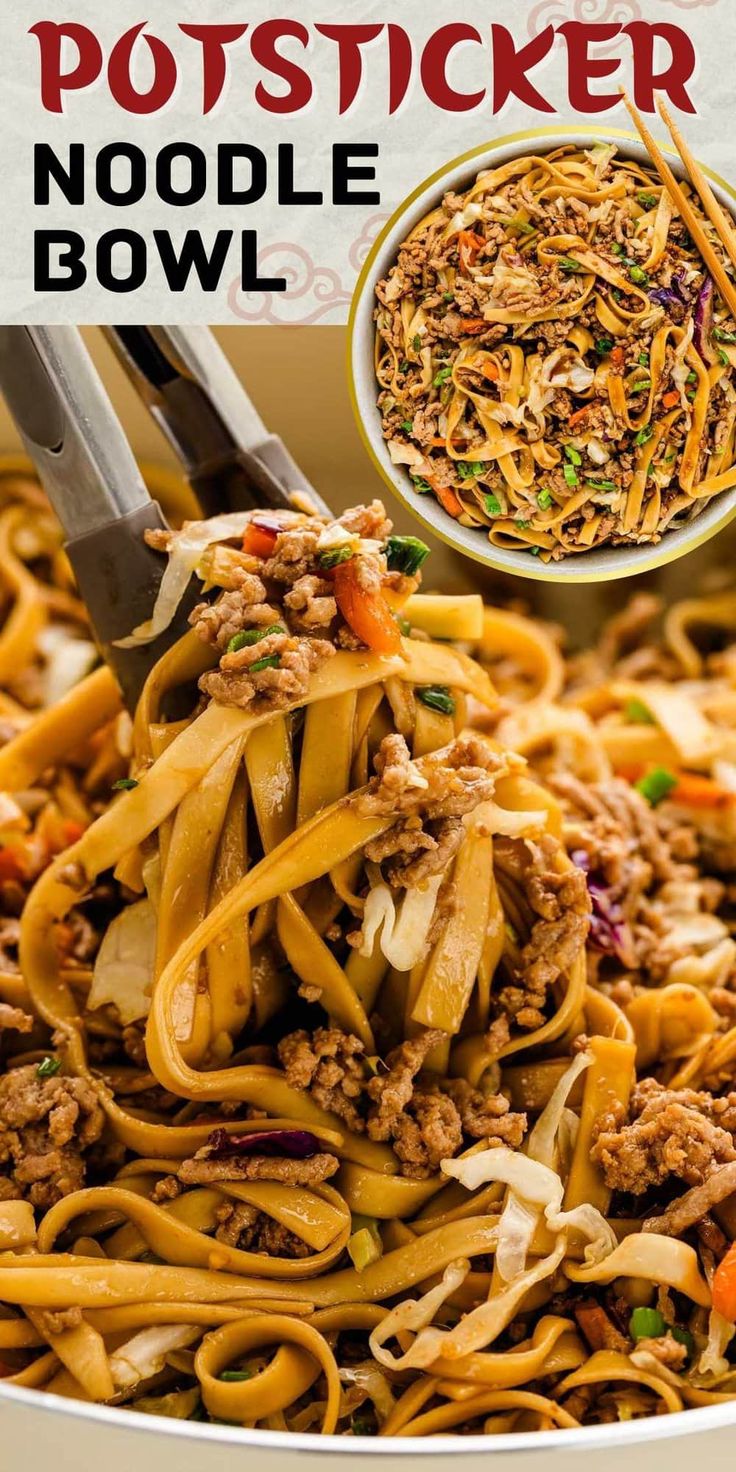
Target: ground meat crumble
{"x":46,"y":1128}
{"x":424,"y":1117}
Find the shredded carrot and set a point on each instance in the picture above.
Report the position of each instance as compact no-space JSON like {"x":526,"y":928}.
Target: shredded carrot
{"x":578,"y":415}
{"x":700,"y":792}
{"x":365,"y":610}
{"x":447,"y":498}
{"x":693,"y":790}
{"x":475,"y":324}
{"x":670,"y":400}
{"x":469,"y":244}
{"x":438,"y":441}
{"x":491,"y":370}
{"x":724,"y":1286}
{"x":259,"y":541}
{"x":617,"y":357}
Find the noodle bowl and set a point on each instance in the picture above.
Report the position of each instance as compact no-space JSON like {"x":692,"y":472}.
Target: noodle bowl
{"x":535,"y":345}
{"x":333,"y":1088}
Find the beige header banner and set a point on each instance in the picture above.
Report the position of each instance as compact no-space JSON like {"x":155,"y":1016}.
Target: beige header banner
{"x":221,"y":163}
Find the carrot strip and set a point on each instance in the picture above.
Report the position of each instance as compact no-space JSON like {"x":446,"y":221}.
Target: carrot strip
{"x":491,"y":370}
{"x":724,"y":1286}
{"x":578,"y":415}
{"x":365,"y":610}
{"x":447,"y":499}
{"x":670,"y":400}
{"x":259,"y":541}
{"x":700,"y":792}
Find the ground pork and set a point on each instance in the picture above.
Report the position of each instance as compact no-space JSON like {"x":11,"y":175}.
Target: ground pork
{"x":677,"y":1133}
{"x":486,"y":1116}
{"x":294,"y":555}
{"x":202,"y":1170}
{"x":412,"y":854}
{"x":311,"y":602}
{"x":425,"y":1123}
{"x":46,"y":1126}
{"x":217,"y":623}
{"x":424,"y":1118}
{"x":273,"y":688}
{"x":369,"y":522}
{"x":557,"y":938}
{"x":331,"y":1065}
{"x":244,"y":1226}
{"x":14,"y":1019}
{"x":666,"y":1350}
{"x":459,"y":777}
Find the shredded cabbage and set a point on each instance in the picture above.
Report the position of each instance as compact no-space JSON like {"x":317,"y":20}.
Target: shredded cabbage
{"x":475,"y":1331}
{"x":145,"y":1354}
{"x":68,"y":660}
{"x":124,"y":968}
{"x":720,"y":1333}
{"x":403,"y":935}
{"x":537,"y":1185}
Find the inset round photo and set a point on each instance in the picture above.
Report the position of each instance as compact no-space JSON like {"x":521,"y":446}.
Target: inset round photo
{"x":543,"y":354}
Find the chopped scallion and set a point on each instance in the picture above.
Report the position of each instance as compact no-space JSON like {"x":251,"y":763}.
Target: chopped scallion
{"x":638,"y":713}
{"x":544,"y":500}
{"x":492,"y":505}
{"x":408,"y":425}
{"x":573,"y":455}
{"x":233,"y":1376}
{"x":656,"y":785}
{"x":247,"y":637}
{"x":722,"y":335}
{"x":647,"y":201}
{"x":645,"y":434}
{"x":437,"y":697}
{"x":416,"y":343}
{"x":48,"y":1067}
{"x":269,"y":662}
{"x":124,"y":784}
{"x":441,"y":376}
{"x":603,"y":346}
{"x":335,"y":555}
{"x":406,"y":554}
{"x":570,"y":474}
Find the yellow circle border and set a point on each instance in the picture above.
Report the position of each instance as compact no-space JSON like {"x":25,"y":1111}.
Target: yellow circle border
{"x":539,"y":572}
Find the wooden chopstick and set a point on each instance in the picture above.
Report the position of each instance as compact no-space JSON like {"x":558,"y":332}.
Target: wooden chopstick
{"x":713,"y":210}
{"x":726,"y":287}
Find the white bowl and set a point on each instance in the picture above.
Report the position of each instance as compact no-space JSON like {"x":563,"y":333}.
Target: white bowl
{"x":45,"y":1431}
{"x":586,"y":567}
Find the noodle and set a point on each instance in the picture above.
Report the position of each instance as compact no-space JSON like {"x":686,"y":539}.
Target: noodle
{"x":363,"y":1027}
{"x":554,"y":363}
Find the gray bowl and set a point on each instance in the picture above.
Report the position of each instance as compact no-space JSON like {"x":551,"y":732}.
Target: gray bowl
{"x":586,"y":567}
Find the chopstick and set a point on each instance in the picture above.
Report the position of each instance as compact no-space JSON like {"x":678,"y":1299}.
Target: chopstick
{"x":710,"y":204}
{"x":726,"y":287}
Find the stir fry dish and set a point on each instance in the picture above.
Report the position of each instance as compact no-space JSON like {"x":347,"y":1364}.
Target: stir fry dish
{"x":555,"y":363}
{"x":368,"y":1034}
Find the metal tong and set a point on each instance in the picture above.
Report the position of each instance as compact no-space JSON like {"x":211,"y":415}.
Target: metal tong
{"x":73,"y":436}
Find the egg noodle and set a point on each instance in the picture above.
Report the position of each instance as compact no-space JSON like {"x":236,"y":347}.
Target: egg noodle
{"x":554,"y":362}
{"x":367,"y":1003}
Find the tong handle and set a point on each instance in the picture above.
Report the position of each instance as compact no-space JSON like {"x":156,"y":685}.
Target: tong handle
{"x":69,"y":427}
{"x":188,"y":385}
